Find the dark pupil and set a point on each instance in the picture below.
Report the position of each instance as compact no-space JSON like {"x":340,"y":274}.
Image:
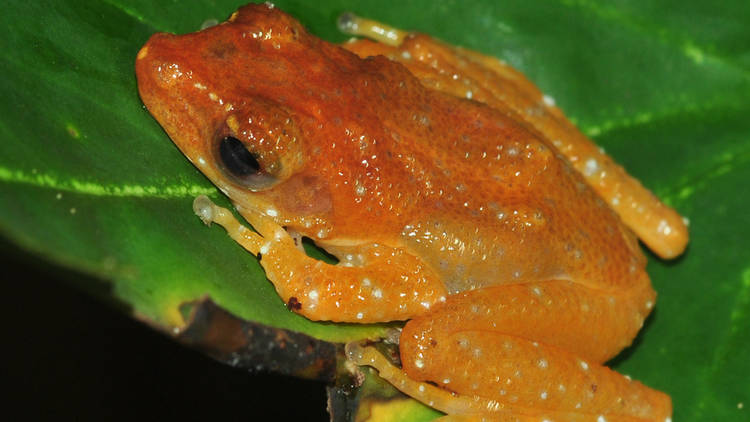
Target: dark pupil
{"x":236,"y":158}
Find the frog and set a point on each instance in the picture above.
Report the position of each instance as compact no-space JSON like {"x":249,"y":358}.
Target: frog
{"x":454,"y":195}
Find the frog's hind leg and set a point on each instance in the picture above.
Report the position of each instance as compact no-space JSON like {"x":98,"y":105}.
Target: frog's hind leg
{"x":534,"y":351}
{"x":467,"y":74}
{"x":463,"y":407}
{"x":459,"y":407}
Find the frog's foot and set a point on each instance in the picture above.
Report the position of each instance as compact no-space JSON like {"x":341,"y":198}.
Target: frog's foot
{"x":429,"y":394}
{"x":209,"y":213}
{"x":372,"y":291}
{"x":468,"y":74}
{"x":351,"y":24}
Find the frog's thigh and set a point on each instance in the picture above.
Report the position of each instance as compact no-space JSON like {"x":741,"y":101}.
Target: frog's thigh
{"x":516,"y":358}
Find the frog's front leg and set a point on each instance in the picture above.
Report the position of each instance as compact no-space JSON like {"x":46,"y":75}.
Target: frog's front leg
{"x":528,"y":351}
{"x":390,"y":284}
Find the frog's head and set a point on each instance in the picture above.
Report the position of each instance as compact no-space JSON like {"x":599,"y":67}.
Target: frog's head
{"x":242,"y":100}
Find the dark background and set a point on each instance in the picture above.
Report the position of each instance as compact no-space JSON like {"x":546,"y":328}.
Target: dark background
{"x":66,"y":355}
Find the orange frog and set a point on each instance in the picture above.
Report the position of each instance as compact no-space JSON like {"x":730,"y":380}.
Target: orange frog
{"x":455,"y":195}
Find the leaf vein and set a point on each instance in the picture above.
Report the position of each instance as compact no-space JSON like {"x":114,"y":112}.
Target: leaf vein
{"x":130,"y":12}
{"x":691,"y":50}
{"x":725,"y":164}
{"x":645,"y":117}
{"x":50,"y":181}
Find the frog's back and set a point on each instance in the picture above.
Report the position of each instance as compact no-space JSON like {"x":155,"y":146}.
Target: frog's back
{"x":493,"y":203}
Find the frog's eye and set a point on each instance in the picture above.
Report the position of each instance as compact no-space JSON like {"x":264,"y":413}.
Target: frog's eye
{"x":242,"y":165}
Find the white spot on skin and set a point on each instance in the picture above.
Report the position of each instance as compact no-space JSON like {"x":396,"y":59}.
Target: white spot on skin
{"x":664,"y":228}
{"x":278,"y":235}
{"x":201,"y":161}
{"x":549,"y":101}
{"x":199,"y":86}
{"x":601,"y":419}
{"x":584,"y":366}
{"x":272,"y":212}
{"x":360,"y":315}
{"x":313,"y":295}
{"x":469,"y":94}
{"x":447,"y":381}
{"x":419,"y":364}
{"x":265,"y":248}
{"x":366,"y":282}
{"x":377,"y":293}
{"x":542,"y":363}
{"x":421,"y":388}
{"x":590,"y":167}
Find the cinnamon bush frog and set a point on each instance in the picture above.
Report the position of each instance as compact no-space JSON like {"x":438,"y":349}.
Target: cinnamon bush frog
{"x":455,"y":195}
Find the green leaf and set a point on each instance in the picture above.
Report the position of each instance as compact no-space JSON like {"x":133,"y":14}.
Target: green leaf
{"x":89,"y":180}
